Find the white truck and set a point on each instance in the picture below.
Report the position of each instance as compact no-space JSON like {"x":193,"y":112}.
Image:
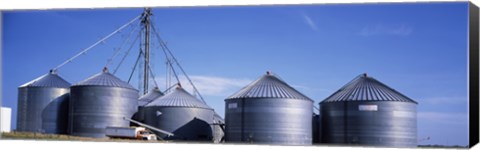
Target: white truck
{"x":130,"y":133}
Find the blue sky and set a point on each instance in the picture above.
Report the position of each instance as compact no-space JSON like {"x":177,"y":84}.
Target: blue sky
{"x":419,"y":49}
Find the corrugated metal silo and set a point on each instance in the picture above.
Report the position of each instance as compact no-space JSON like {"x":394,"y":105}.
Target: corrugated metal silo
{"x":180,"y":113}
{"x":149,"y":97}
{"x":269,"y":111}
{"x":368,"y":112}
{"x":98,"y":102}
{"x":144,"y":100}
{"x":33,"y":98}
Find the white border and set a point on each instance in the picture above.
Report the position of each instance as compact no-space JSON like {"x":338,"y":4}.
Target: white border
{"x":63,"y":4}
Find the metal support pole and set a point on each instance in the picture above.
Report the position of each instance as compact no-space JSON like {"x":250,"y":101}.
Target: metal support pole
{"x":146,"y":24}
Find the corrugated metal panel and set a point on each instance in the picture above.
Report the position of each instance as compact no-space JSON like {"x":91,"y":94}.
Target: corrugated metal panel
{"x":365,"y":88}
{"x":391,"y":123}
{"x":269,"y":86}
{"x":48,"y":80}
{"x":316,"y":129}
{"x":149,"y":97}
{"x":104,"y":79}
{"x":178,"y":98}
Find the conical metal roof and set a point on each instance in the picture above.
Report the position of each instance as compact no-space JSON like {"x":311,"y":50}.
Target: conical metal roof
{"x":269,"y":86}
{"x":178,"y":98}
{"x":48,"y":80}
{"x":365,"y":88}
{"x":149,"y":97}
{"x":104,"y":78}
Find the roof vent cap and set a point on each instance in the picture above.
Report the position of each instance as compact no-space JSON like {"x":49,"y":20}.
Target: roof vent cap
{"x":53,"y":71}
{"x":105,"y":69}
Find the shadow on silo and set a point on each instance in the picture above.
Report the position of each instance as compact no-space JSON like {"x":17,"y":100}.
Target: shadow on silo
{"x":201,"y":129}
{"x":55,"y":115}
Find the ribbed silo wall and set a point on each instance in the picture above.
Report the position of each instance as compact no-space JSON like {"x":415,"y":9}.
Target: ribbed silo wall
{"x":269,"y":121}
{"x":139,"y":115}
{"x":93,"y":108}
{"x":186,"y":123}
{"x":384,"y":123}
{"x":55,"y":116}
{"x":315,"y":129}
{"x":31,"y":102}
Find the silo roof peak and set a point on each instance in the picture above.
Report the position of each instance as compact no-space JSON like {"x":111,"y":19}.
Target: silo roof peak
{"x":50,"y":79}
{"x":367,"y":88}
{"x":105,"y":78}
{"x":269,"y":86}
{"x":178,"y":98}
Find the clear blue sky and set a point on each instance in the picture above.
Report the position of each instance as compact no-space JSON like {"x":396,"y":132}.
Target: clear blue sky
{"x":417,"y":49}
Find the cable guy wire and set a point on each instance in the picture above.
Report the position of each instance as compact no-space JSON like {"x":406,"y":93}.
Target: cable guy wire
{"x":162,"y":43}
{"x":117,"y":51}
{"x":96,"y":43}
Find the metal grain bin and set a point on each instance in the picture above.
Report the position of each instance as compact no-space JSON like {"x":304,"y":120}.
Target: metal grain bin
{"x":269,"y":111}
{"x":182,"y":114}
{"x":144,"y":100}
{"x":35,"y":96}
{"x":98,"y":102}
{"x":149,"y":97}
{"x":368,"y":112}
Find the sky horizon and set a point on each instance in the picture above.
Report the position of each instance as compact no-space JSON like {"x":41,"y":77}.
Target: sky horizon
{"x":418,"y":49}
